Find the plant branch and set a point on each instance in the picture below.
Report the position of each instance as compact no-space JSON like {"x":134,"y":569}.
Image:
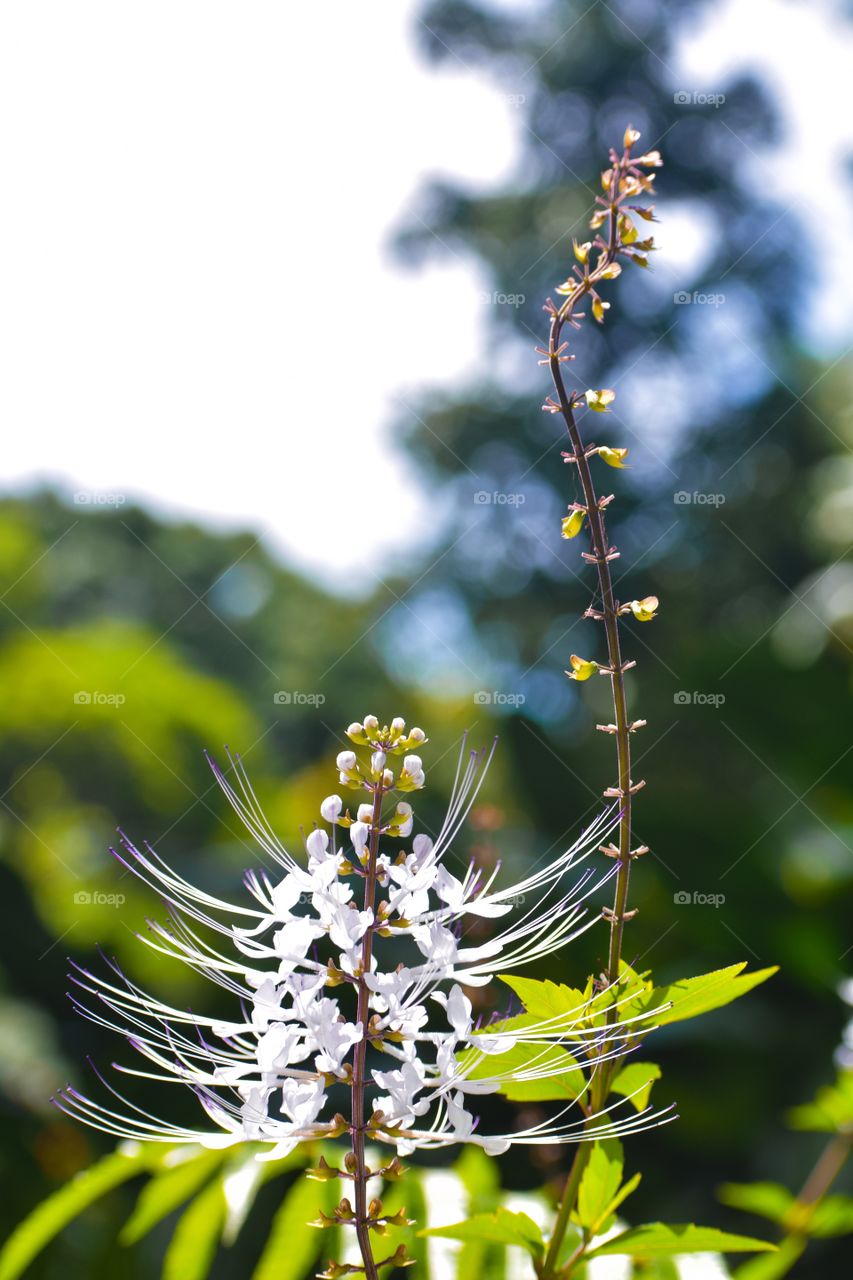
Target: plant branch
{"x":359,"y":1072}
{"x":623,"y":176}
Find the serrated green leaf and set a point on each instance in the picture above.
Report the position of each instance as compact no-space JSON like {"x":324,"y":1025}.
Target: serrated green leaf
{"x":636,"y":1079}
{"x":545,"y":999}
{"x":661,"y":1239}
{"x":690,"y":997}
{"x":832,"y":1217}
{"x":600,"y":1182}
{"x":501,"y":1227}
{"x":168,"y":1190}
{"x":54,"y":1213}
{"x":193,"y":1246}
{"x":292,"y":1246}
{"x":767,"y":1199}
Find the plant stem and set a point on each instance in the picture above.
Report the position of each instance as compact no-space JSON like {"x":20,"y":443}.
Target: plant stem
{"x":830,"y":1163}
{"x":610,"y":616}
{"x":567,"y":1203}
{"x":359,"y":1070}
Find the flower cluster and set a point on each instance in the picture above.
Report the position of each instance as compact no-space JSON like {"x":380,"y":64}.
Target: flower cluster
{"x":350,"y":971}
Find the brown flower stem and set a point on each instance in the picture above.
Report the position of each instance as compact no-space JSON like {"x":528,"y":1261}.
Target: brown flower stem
{"x":359,"y":1068}
{"x":609,"y":614}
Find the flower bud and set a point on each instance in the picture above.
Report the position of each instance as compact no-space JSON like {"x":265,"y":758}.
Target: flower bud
{"x":413,"y":764}
{"x":398,"y":725}
{"x":387,"y":780}
{"x":421,"y":846}
{"x":582,"y":668}
{"x":417,"y":735}
{"x":356,"y":732}
{"x":600,"y":400}
{"x":644,"y":610}
{"x":573,"y":523}
{"x":632,"y":135}
{"x":613,"y":457}
{"x":377,"y":762}
{"x":345,"y":761}
{"x":359,"y":833}
{"x":317,"y":842}
{"x":331,"y":807}
{"x":371,"y":724}
{"x":365,"y":813}
{"x":401,"y":823}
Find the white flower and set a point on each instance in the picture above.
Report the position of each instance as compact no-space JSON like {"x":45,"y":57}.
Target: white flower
{"x":330,"y":809}
{"x":359,"y":834}
{"x":264,"y":1075}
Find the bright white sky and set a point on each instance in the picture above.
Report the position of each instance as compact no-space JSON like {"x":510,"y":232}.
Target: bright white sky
{"x":176,"y":172}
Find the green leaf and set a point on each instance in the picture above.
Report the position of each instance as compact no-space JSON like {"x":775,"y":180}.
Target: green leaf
{"x":570,"y":1083}
{"x":767,"y":1199}
{"x":660,"y":1239}
{"x":168,"y":1190}
{"x":832,"y":1109}
{"x":54,"y":1213}
{"x":772,"y":1266}
{"x":479,"y":1176}
{"x":501,"y":1227}
{"x":193,"y":1246}
{"x":691,"y":996}
{"x":292,"y":1246}
{"x":637,"y":1079}
{"x":600,"y":1182}
{"x":545,"y":999}
{"x":481,"y":1181}
{"x":832,"y":1217}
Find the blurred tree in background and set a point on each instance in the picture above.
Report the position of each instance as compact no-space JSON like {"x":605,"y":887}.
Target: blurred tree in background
{"x":128,"y":645}
{"x":740,"y":444}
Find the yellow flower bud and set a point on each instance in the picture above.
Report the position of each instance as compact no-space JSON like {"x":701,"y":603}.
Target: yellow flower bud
{"x":573,"y":523}
{"x":627,"y":231}
{"x":632,"y":135}
{"x":613,"y":457}
{"x":645,"y":610}
{"x":599,"y":308}
{"x":582,"y":668}
{"x":599,"y":400}
{"x":611,"y":271}
{"x":581,"y":250}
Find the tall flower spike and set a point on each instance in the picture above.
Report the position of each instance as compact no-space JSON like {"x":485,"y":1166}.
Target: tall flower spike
{"x":398,"y":1032}
{"x":618,"y":241}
